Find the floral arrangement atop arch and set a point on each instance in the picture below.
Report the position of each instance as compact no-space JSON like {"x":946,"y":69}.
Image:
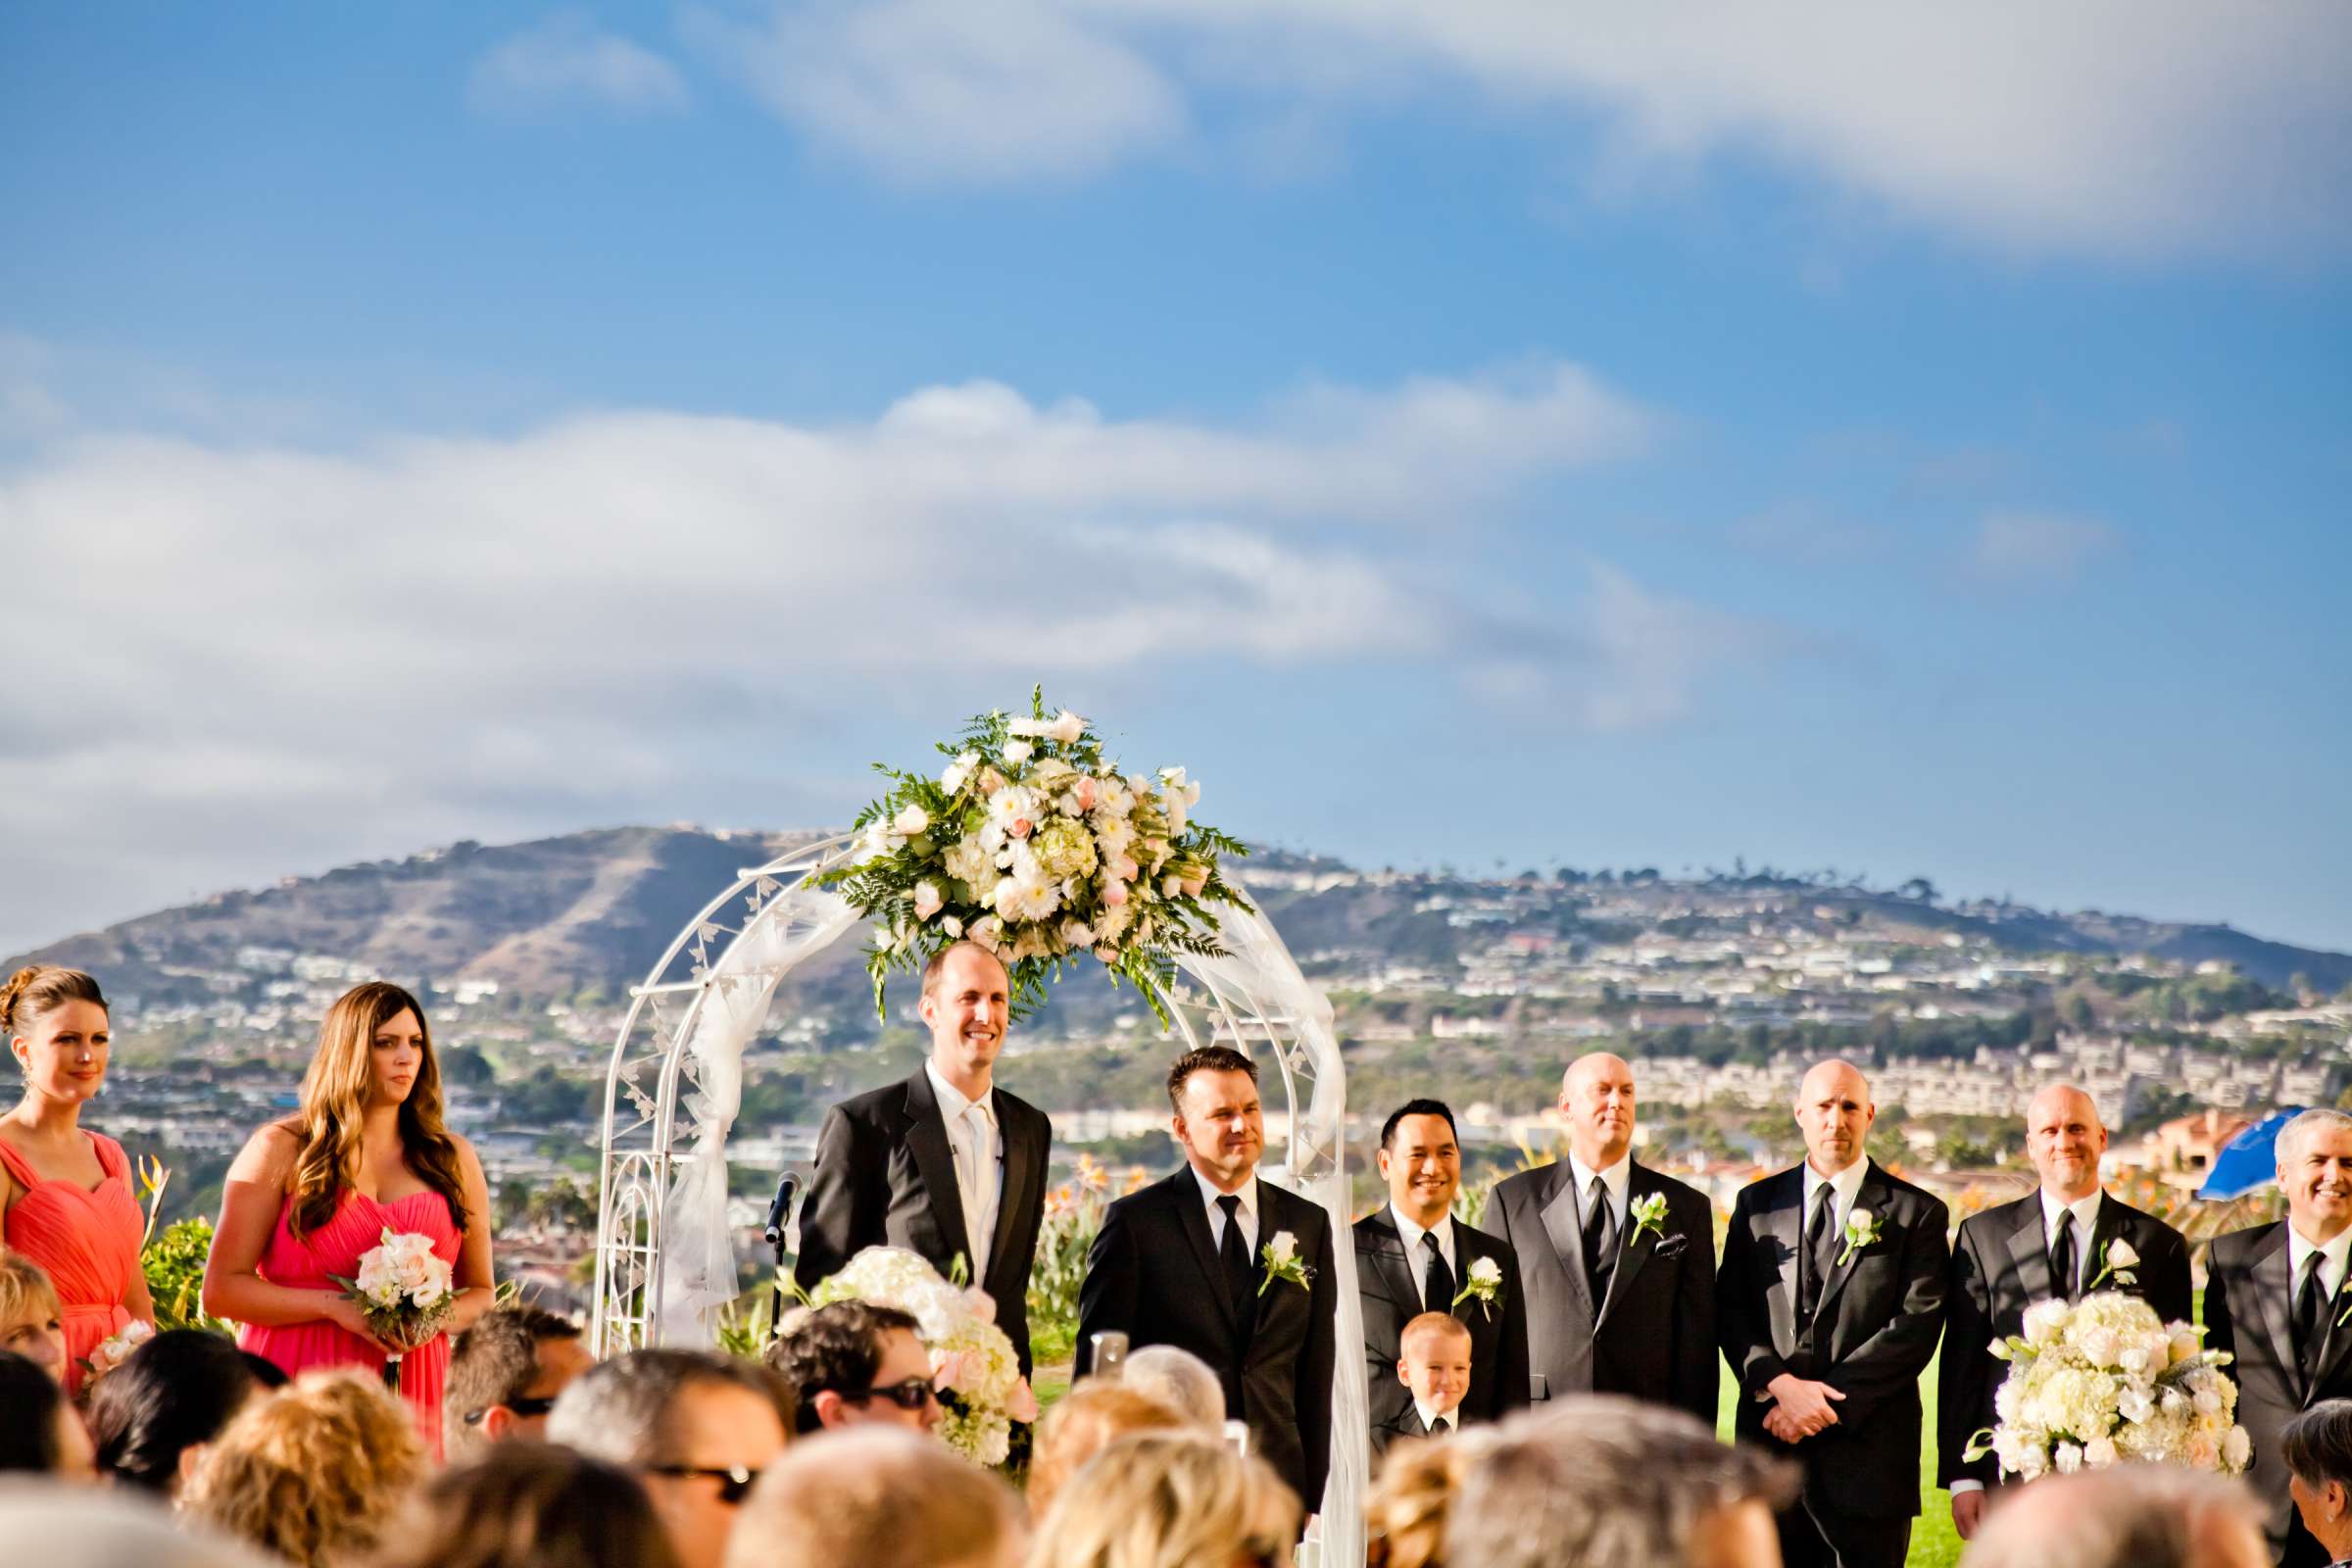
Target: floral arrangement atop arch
{"x":1034,"y":844}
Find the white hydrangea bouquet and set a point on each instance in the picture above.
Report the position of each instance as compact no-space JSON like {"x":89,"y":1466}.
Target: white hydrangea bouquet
{"x":405,"y":1290}
{"x":972,"y":1362}
{"x":1033,"y":844}
{"x":2106,"y":1379}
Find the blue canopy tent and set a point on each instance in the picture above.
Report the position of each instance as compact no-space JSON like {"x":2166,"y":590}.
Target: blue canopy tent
{"x":2248,"y":1160}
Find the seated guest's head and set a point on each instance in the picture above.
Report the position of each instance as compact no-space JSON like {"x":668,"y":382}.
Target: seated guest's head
{"x":1411,"y":1498}
{"x":2317,"y":1447}
{"x":1175,"y":1376}
{"x":1171,"y":1500}
{"x":697,"y":1427}
{"x":32,"y":1323}
{"x":94,"y":1526}
{"x":153,"y":1416}
{"x":503,"y":1375}
{"x":1435,"y":1363}
{"x":1601,"y":1482}
{"x":877,"y":1498}
{"x":854,"y":1363}
{"x":2127,"y":1516}
{"x":39,"y":1431}
{"x":1081,"y":1422}
{"x":311,"y":1472}
{"x":528,"y":1505}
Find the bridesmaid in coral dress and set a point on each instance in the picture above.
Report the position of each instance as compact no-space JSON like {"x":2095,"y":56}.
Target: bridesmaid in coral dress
{"x":366,"y":1153}
{"x":67,"y":1191}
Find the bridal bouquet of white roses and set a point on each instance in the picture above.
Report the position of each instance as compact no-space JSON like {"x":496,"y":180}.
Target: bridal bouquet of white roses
{"x":405,"y":1290}
{"x":1033,"y":844}
{"x":2104,"y":1380}
{"x":973,"y":1366}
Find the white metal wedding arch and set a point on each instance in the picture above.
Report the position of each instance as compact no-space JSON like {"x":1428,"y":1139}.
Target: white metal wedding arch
{"x":664,"y":1256}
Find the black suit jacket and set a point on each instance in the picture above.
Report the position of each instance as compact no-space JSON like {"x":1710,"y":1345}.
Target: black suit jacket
{"x":1881,"y":1313}
{"x":2000,"y":1266}
{"x":886,"y":1177}
{"x":1154,"y":1275}
{"x":1654,"y":1337}
{"x":1388,"y":1283}
{"x":1404,"y":1425}
{"x":2249,"y":1312}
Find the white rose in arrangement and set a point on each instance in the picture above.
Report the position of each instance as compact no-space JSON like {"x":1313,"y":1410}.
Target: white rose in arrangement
{"x":1066,"y":728}
{"x":1015,"y":752}
{"x":1050,"y":771}
{"x":927,"y":901}
{"x":1026,"y":728}
{"x":2044,"y":1319}
{"x":958,"y":770}
{"x":1170,"y":886}
{"x":910,"y":820}
{"x":953,"y":927}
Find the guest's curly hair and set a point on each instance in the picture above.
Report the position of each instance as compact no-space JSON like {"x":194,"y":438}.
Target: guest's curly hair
{"x":1406,"y":1515}
{"x":1081,"y":1424}
{"x":313,"y":1471}
{"x":1169,"y":1499}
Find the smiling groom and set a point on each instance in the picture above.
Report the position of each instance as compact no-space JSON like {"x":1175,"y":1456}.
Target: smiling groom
{"x":1232,"y":1268}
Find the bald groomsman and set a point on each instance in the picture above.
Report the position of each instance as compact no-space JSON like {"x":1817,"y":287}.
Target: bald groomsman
{"x":2062,"y":1239}
{"x":1616,"y":1263}
{"x":2275,"y":1298}
{"x":1829,"y":1302}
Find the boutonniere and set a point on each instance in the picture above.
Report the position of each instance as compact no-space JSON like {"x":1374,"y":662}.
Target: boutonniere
{"x":2343,"y":1294}
{"x":1862,"y":1229}
{"x":1281,"y":1258}
{"x":1650,"y":1214}
{"x":1484,"y":1286}
{"x":2119,"y":1259}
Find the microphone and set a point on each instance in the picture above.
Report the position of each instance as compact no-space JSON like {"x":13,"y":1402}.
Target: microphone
{"x":787,"y":1186}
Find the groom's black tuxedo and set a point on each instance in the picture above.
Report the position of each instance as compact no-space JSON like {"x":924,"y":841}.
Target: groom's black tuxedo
{"x":886,"y":1177}
{"x":1154,"y":1275}
{"x":1386,"y":1278}
{"x":2000,"y":1266}
{"x":1654,"y":1337}
{"x":2249,"y":1312}
{"x":1873,"y":1334}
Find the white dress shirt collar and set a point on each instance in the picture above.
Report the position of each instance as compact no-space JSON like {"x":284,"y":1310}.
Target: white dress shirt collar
{"x":2332,"y":1271}
{"x":1617,"y":1181}
{"x":1416,"y":1257}
{"x":1846,"y":1185}
{"x":951,"y":1102}
{"x":2085,"y":1210}
{"x":1248,"y":1213}
{"x":1430,"y":1418}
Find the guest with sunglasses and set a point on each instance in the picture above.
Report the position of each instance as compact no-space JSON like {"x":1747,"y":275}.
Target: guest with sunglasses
{"x":695,"y":1426}
{"x":854,"y":1363}
{"x":503,"y":1375}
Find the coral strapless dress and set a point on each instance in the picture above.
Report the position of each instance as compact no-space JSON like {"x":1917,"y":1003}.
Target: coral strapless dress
{"x":304,"y":1264}
{"x":87,"y":1239}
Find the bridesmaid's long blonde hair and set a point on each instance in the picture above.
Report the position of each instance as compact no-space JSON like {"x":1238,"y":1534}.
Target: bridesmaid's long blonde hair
{"x":334,"y":1104}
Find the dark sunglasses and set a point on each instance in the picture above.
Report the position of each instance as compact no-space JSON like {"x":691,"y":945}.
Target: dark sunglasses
{"x":526,"y":1409}
{"x":912,"y":1395}
{"x":734,"y":1481}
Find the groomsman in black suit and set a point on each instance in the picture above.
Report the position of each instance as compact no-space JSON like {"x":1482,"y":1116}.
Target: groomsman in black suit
{"x":2062,"y":1239}
{"x":1831,"y":1302}
{"x":1232,"y":1268}
{"x":2275,"y":1299}
{"x":1616,"y":1263}
{"x":945,"y":1165}
{"x":1414,"y":1256}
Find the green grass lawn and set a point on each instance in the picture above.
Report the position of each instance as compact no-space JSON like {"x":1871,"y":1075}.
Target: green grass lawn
{"x":1933,"y":1544}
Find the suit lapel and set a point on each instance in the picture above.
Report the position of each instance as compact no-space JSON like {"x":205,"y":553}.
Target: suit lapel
{"x":935,"y":1162}
{"x":2336,"y":1346}
{"x":1568,"y":1237}
{"x":1396,"y":1266}
{"x":2273,"y":1294}
{"x":2030,"y":1252}
{"x":1784,"y":1223}
{"x":1021,"y":1177}
{"x":1639,"y":1244}
{"x":1870,"y":1198}
{"x":1191,"y":1214}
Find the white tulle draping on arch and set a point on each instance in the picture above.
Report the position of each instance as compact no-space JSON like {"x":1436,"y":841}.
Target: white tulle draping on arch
{"x":665,"y":1255}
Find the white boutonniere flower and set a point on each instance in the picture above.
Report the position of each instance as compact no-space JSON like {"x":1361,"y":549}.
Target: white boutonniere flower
{"x":1281,"y":1258}
{"x":1650,"y":1214}
{"x":2343,"y":1294}
{"x":1484,"y":1286}
{"x":1862,"y":1229}
{"x":2118,"y":1259}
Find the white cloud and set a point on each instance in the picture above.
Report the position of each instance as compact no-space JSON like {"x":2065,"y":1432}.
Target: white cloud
{"x":566,"y":60}
{"x":2104,"y":126}
{"x":264,"y":655}
{"x":2039,"y":547}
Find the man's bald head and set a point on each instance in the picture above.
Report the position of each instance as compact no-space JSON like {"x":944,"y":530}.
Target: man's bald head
{"x":2063,"y":1138}
{"x":1597,"y":1099}
{"x":1834,"y":1111}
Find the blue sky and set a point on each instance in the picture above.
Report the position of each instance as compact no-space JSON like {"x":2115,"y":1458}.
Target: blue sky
{"x":1525,"y":432}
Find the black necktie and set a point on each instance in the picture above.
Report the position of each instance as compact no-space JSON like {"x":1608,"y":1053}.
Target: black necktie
{"x":1600,"y":1241}
{"x":1814,"y":1263}
{"x":1437,"y":1281}
{"x":2310,"y":1328}
{"x":2062,"y":1256}
{"x":1233,"y":1254}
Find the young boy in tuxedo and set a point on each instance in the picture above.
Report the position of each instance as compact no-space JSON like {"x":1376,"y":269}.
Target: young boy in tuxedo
{"x":1436,"y":1369}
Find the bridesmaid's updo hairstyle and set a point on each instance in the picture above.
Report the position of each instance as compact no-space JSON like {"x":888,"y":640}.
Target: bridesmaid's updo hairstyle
{"x":39,"y":989}
{"x":334,"y":1104}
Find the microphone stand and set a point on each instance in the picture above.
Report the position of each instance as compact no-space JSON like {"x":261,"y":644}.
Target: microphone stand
{"x":778,"y":1212}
